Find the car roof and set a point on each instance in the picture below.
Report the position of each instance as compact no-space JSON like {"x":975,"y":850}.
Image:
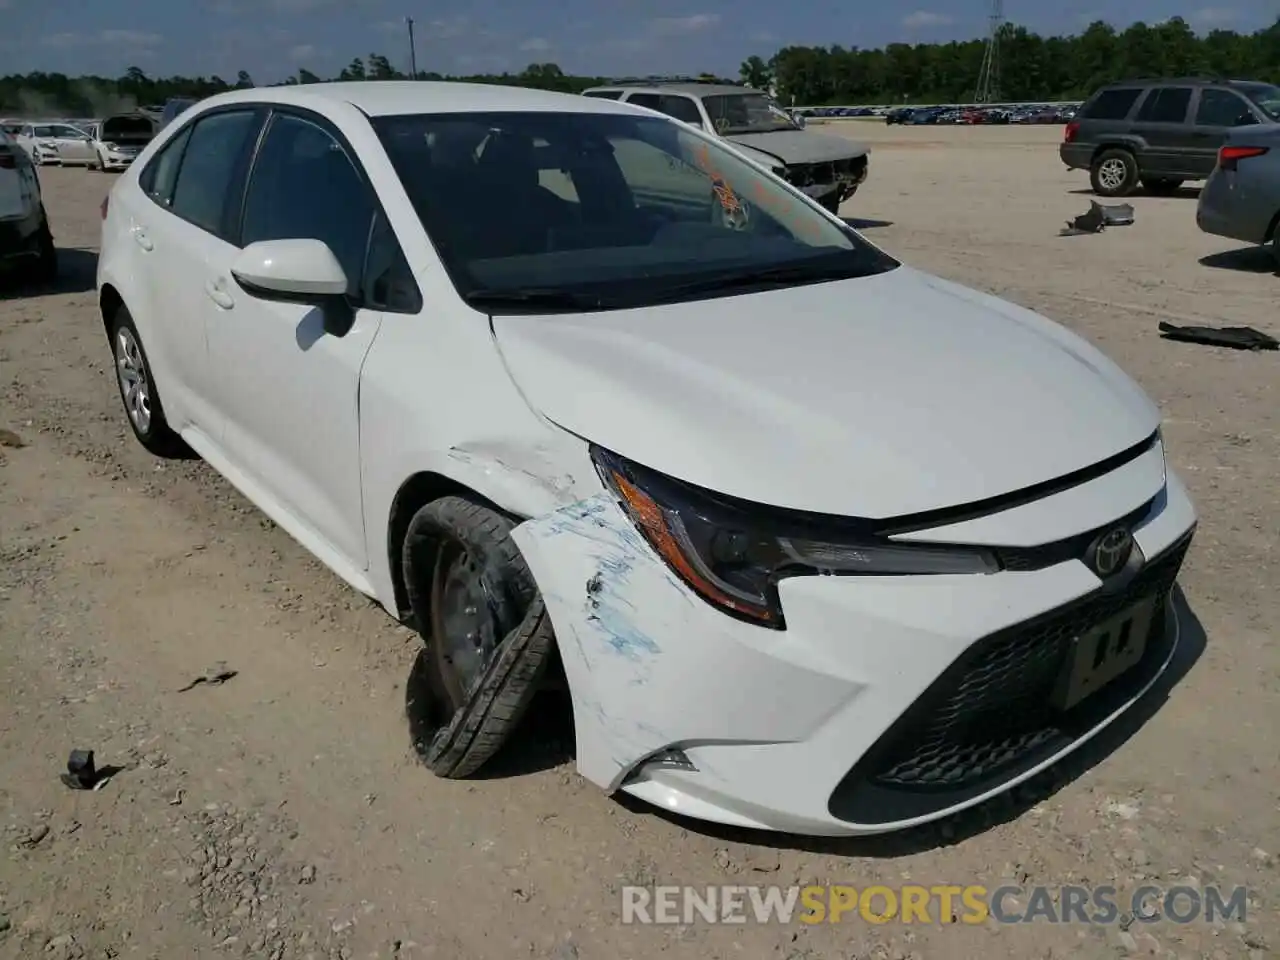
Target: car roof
{"x":694,"y":89}
{"x":381,"y":98}
{"x":1183,"y":82}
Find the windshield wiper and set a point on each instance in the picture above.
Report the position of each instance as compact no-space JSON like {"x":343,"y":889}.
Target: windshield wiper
{"x":789,"y":276}
{"x":535,"y":298}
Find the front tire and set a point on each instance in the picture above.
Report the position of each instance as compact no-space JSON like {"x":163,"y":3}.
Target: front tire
{"x":487,"y":632}
{"x":47,"y":257}
{"x":831,"y":203}
{"x":1114,"y":173}
{"x":138,"y":391}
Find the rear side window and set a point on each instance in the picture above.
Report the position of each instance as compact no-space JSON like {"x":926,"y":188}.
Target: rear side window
{"x":682,"y":108}
{"x":604,"y":94}
{"x":1222,"y":108}
{"x":650,"y":100}
{"x":1165,"y":105}
{"x":162,"y":172}
{"x":1111,"y":104}
{"x":214,"y":152}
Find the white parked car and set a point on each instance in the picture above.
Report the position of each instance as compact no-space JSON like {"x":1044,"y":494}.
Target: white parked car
{"x":56,"y":142}
{"x":829,"y":545}
{"x":117,"y":140}
{"x":26,"y":242}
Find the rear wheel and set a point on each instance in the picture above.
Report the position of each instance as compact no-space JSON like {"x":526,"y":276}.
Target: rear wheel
{"x":487,"y":632}
{"x":138,"y":390}
{"x":1114,"y":173}
{"x":47,"y":262}
{"x":1161,"y":186}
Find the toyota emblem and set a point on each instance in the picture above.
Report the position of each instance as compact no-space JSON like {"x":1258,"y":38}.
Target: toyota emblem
{"x":1111,"y":551}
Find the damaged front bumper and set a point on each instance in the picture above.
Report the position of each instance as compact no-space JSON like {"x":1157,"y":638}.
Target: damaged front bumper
{"x":819,"y":180}
{"x":825,"y":728}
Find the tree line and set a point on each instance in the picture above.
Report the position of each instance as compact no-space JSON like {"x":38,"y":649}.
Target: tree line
{"x":1032,"y":67}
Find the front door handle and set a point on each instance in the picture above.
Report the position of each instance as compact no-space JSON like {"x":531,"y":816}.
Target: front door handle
{"x":219,"y":295}
{"x":142,"y":240}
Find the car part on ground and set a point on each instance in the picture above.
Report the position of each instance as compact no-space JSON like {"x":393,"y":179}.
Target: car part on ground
{"x":1239,"y":338}
{"x":732,"y":565}
{"x":1098,"y":217}
{"x":1162,"y":133}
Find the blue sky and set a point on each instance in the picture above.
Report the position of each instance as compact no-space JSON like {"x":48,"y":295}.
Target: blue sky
{"x":272,"y":38}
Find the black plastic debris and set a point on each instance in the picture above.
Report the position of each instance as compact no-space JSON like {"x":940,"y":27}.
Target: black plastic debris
{"x":81,"y":773}
{"x":1238,"y":338}
{"x":215,"y":675}
{"x":1099,"y":217}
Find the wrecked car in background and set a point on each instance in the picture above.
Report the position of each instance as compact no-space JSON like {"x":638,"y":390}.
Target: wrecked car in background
{"x":826,"y":167}
{"x":119,"y":139}
{"x":822,"y":543}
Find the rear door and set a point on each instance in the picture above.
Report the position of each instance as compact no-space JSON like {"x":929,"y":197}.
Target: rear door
{"x":1163,"y":124}
{"x":1218,"y":111}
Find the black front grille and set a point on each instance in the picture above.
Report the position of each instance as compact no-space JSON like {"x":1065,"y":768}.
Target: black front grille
{"x":991,"y":714}
{"x":1060,"y":551}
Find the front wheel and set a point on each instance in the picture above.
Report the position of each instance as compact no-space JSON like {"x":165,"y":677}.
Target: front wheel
{"x":487,"y":632}
{"x":1114,"y":173}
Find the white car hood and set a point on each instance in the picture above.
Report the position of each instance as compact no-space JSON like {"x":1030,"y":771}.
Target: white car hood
{"x":876,"y":397}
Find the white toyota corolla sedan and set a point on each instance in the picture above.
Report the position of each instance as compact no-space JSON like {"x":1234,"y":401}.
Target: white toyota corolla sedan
{"x":819,"y":542}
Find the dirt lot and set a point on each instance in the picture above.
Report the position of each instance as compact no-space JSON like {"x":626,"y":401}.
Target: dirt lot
{"x":282,"y":814}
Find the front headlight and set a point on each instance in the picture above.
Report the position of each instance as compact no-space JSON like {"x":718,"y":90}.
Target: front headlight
{"x":108,"y":146}
{"x":733,"y":554}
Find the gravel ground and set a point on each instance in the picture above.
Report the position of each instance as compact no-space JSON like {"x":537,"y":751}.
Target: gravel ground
{"x":281,"y":814}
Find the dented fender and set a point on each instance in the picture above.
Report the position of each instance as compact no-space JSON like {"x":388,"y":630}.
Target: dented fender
{"x":649,"y":664}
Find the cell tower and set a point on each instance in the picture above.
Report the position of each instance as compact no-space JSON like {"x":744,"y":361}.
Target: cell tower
{"x":989,"y":75}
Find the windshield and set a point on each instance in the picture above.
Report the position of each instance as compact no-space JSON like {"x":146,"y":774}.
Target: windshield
{"x":746,"y":113}
{"x":591,"y":211}
{"x":44,"y":131}
{"x":1266,"y":96}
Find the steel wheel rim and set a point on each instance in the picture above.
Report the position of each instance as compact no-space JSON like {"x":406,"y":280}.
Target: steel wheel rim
{"x":135,"y":387}
{"x":1112,"y":173}
{"x":465,"y":628}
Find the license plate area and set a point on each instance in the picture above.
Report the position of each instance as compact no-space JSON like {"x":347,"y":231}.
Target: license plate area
{"x":1102,"y":653}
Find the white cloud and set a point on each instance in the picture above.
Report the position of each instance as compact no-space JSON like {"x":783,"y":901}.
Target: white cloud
{"x":133,"y":39}
{"x":1215,"y":16}
{"x":676,"y":26}
{"x":536,"y":45}
{"x":926,"y":19}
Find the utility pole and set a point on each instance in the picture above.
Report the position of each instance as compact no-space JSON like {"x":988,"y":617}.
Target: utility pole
{"x":413,"y":52}
{"x":989,"y":76}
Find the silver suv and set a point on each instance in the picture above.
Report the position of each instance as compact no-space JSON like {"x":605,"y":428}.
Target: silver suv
{"x":827,"y":168}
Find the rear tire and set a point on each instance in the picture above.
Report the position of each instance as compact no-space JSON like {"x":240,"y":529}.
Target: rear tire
{"x":138,"y":391}
{"x":1161,"y":186}
{"x":47,"y":262}
{"x":1114,"y":173}
{"x":487,"y":632}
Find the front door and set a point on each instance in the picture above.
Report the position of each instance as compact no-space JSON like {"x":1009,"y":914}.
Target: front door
{"x":74,"y":146}
{"x":287,"y":389}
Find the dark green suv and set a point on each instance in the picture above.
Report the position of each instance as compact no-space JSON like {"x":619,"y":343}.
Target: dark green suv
{"x":1161,"y":133}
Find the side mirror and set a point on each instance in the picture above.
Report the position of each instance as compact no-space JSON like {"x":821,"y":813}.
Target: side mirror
{"x":297,"y":271}
{"x":302,"y":271}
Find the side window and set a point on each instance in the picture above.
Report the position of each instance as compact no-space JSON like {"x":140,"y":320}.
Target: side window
{"x":304,"y":185}
{"x":214,"y":150}
{"x":162,"y":172}
{"x":1222,"y":108}
{"x":1165,"y":105}
{"x":1111,"y":104}
{"x":650,"y":100}
{"x":682,"y":108}
{"x":387,"y":282}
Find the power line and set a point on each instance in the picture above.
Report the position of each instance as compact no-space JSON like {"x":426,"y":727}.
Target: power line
{"x":989,"y":76}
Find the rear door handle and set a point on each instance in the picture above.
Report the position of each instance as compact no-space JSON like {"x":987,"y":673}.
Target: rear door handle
{"x":142,"y":240}
{"x":219,"y":295}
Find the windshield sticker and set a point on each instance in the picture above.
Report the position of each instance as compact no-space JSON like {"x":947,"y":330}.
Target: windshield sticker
{"x":775,"y":203}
